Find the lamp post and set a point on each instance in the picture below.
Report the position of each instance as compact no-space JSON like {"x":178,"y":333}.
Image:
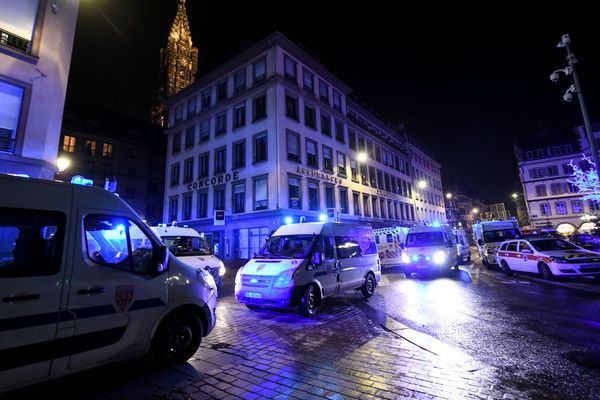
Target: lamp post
{"x":422,"y":184}
{"x":576,"y":88}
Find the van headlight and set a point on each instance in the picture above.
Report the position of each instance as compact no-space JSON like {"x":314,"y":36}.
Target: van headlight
{"x":559,"y":260}
{"x":405,"y":258}
{"x":439,"y":257}
{"x":284,"y":279}
{"x":206,"y":278}
{"x":221,"y":268}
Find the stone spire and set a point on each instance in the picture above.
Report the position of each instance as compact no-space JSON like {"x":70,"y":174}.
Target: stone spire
{"x":178,"y":63}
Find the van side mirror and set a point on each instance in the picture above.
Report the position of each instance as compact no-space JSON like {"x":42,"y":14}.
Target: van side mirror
{"x":317,"y":258}
{"x":163,"y":260}
{"x":480,"y":242}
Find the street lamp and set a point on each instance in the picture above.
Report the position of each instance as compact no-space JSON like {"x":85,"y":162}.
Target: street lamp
{"x":514,"y":196}
{"x":576,"y":88}
{"x":448,"y":196}
{"x":362,"y":157}
{"x":62,"y":163}
{"x":474,"y":211}
{"x":422,"y":184}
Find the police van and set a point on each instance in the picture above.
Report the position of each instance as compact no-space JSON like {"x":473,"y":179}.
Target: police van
{"x":429,"y":249}
{"x":389,"y":242}
{"x":301,"y":264}
{"x":489,"y":235}
{"x":190,"y":247}
{"x":462,"y":245}
{"x":84,"y":281}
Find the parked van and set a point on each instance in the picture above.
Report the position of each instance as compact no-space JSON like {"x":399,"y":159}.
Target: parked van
{"x":303,"y":263}
{"x":79,"y":291}
{"x":429,"y":248}
{"x":191,"y":248}
{"x":462,"y":245}
{"x":489,"y":235}
{"x":389,"y":244}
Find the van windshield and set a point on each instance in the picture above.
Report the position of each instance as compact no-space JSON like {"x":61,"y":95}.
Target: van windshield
{"x":425,"y":239}
{"x":186,"y":246}
{"x":291,"y":246}
{"x":499,"y":235}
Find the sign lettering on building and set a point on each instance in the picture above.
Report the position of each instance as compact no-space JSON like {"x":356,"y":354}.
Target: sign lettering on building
{"x":389,"y":195}
{"x":314,"y":173}
{"x":215,"y":180}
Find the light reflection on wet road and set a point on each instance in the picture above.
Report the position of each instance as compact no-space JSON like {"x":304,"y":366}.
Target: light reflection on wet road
{"x":538,"y":332}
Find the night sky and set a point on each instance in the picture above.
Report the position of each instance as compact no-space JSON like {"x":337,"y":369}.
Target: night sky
{"x":467,"y":82}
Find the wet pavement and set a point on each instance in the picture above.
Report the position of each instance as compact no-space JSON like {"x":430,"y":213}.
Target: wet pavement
{"x":470,"y":334}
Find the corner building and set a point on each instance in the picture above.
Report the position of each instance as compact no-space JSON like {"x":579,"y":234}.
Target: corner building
{"x":272,"y":136}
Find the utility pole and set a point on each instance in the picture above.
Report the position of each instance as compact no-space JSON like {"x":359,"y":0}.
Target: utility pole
{"x":576,"y":87}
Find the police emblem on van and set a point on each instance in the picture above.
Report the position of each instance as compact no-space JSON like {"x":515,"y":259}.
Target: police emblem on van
{"x":124,"y":296}
{"x":260,"y":267}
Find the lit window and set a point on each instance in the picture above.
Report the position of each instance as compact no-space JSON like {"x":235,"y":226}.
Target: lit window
{"x":11,"y":99}
{"x":69,"y":143}
{"x":17,"y":24}
{"x":107,"y":150}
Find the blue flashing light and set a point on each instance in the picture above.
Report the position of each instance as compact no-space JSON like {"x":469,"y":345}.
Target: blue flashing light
{"x":288,"y":220}
{"x":121,"y":228}
{"x":415,"y":258}
{"x":436,"y":224}
{"x":80,"y":180}
{"x":427,"y":258}
{"x":322,"y":217}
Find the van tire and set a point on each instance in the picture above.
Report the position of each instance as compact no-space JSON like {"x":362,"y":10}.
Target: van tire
{"x":252,"y":307}
{"x":308,"y":303}
{"x":368,"y":289}
{"x":177,"y":338}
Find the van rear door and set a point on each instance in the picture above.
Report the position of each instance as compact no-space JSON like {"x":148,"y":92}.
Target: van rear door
{"x":33,"y":254}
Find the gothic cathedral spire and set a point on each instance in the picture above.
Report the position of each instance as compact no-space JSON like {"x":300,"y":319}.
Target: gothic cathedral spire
{"x":178,"y":64}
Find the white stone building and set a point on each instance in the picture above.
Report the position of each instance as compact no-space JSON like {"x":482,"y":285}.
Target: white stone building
{"x":270,"y":137}
{"x":551,"y":200}
{"x":36,"y":40}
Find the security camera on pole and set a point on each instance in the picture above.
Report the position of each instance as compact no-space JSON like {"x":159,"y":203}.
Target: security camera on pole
{"x":576,"y":88}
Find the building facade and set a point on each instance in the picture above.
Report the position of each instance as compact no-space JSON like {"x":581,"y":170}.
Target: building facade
{"x":272,"y":137}
{"x":552,"y":201}
{"x":498,"y":211}
{"x":178,"y":64}
{"x":126,"y":152}
{"x":427,"y":180}
{"x":36,"y":41}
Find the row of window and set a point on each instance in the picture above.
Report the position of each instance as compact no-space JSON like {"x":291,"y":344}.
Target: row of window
{"x":308,"y":83}
{"x":561,"y":207}
{"x":431,"y":182}
{"x":368,"y":175}
{"x":369,"y":206}
{"x":259,"y":111}
{"x":555,"y":189}
{"x":551,"y":151}
{"x":219,"y":164}
{"x":549,"y":171}
{"x":222,"y":90}
{"x":70,"y":145}
{"x":355,"y":141}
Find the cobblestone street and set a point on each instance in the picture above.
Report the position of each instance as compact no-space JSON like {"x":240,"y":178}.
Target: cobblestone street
{"x":348,"y":351}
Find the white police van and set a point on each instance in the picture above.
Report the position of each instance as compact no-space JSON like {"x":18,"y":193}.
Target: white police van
{"x":429,"y":249}
{"x":190,"y":247}
{"x":303,"y":263}
{"x":77,"y":291}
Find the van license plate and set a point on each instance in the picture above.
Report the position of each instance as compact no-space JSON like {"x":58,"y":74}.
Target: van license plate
{"x":253,"y":295}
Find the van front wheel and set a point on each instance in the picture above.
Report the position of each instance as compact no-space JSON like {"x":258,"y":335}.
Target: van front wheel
{"x":368,"y":289}
{"x":177,"y":338}
{"x":308,"y":303}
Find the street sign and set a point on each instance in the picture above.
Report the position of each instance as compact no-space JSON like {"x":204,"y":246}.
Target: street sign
{"x":219,"y":218}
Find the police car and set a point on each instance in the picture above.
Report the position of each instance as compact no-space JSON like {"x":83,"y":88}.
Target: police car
{"x":548,"y":256}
